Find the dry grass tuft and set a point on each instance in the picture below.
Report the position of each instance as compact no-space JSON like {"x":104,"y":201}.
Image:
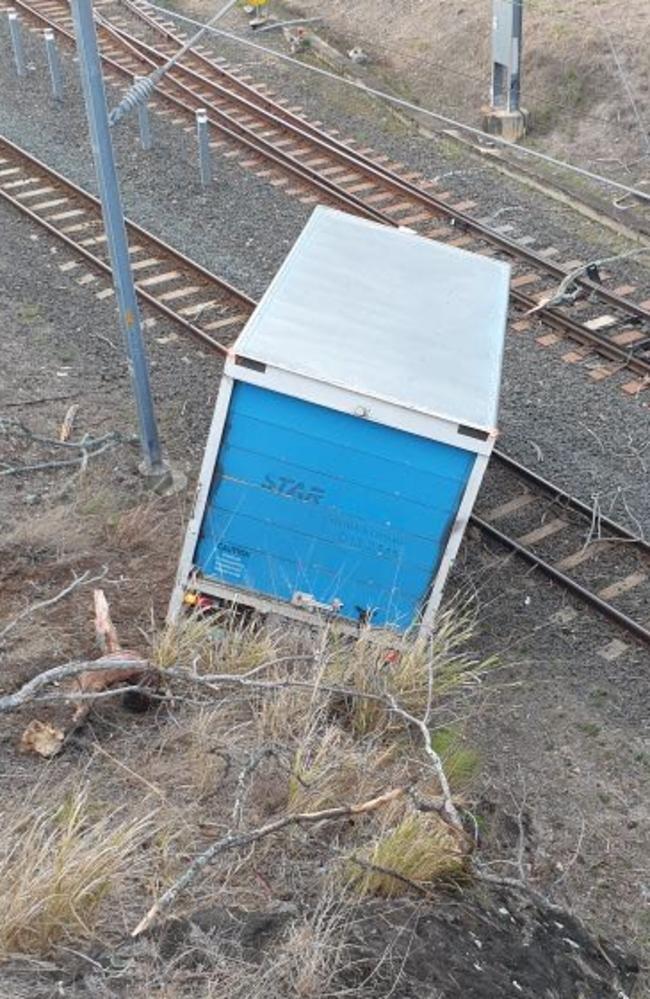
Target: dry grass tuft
{"x":329,"y":769}
{"x":421,"y":847}
{"x":188,"y":642}
{"x":306,"y":963}
{"x":57,"y":867}
{"x":242,"y":645}
{"x":216,"y":643}
{"x":413,"y":670}
{"x":312,"y":953}
{"x":136,"y":528}
{"x":281,"y":714}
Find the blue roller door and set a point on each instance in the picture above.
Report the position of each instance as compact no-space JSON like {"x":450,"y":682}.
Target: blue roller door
{"x":307,"y":499}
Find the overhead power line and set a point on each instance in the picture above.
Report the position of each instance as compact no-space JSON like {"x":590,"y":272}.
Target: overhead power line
{"x":401,"y":102}
{"x":143,"y":88}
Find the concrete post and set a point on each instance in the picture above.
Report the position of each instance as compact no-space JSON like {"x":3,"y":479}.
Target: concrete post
{"x":125,"y":293}
{"x":144,"y":120}
{"x":16,"y":41}
{"x":505,"y":117}
{"x":204,"y":146}
{"x":54,"y":63}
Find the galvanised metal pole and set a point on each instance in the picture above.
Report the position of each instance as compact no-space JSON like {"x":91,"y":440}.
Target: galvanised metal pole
{"x":515,"y":58}
{"x":143,"y":120}
{"x":204,"y":146}
{"x":54,"y":63}
{"x":95,"y":97}
{"x":507,"y":19}
{"x":16,"y":41}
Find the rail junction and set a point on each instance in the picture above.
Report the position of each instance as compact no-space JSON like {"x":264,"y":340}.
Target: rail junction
{"x":592,"y":556}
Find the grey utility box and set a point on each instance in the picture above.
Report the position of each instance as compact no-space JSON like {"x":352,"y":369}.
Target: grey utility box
{"x":353,"y":425}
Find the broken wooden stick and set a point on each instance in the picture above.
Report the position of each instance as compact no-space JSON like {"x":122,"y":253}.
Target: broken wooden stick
{"x":120,"y":667}
{"x":105,"y":632}
{"x":68,"y":422}
{"x":233,"y":841}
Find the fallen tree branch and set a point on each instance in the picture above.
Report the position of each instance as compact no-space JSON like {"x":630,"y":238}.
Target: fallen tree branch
{"x":87,"y":446}
{"x":217,"y":681}
{"x":26,"y":693}
{"x":28,"y":611}
{"x":568,"y":288}
{"x":236,"y":840}
{"x":82,"y":459}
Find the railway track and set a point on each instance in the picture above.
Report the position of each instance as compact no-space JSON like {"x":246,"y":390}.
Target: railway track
{"x":612,"y":329}
{"x":577,"y":546}
{"x":167,"y":282}
{"x":592,"y":556}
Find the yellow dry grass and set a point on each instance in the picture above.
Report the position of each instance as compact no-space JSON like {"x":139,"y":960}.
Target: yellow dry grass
{"x":421,"y":848}
{"x":330,"y":770}
{"x":56,"y":867}
{"x":413,"y":670}
{"x":137,"y":527}
{"x":186,"y":643}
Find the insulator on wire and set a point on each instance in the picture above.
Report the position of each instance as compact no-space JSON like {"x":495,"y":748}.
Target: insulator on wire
{"x":138,"y":93}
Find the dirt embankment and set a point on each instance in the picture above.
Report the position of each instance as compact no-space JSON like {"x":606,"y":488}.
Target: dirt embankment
{"x":585,"y":67}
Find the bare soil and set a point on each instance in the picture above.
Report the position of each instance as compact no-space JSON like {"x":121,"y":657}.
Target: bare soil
{"x":585,"y":78}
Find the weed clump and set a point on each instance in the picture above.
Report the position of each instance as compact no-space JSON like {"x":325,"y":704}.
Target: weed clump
{"x":421,"y":849}
{"x":57,"y":867}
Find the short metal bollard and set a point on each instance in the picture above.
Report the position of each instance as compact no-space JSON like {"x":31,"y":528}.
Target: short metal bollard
{"x":204,"y":146}
{"x":144,"y":120}
{"x":16,"y":41}
{"x":54,"y":63}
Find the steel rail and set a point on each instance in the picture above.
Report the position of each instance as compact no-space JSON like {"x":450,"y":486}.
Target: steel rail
{"x":548,"y":569}
{"x":244,"y":135}
{"x":557,"y":493}
{"x":560,"y":577}
{"x":578,"y":331}
{"x":132,"y":227}
{"x":572,"y":502}
{"x":566,"y":324}
{"x":227,"y":126}
{"x":304,"y":130}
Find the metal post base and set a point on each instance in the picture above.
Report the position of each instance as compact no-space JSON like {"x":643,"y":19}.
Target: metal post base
{"x":163,"y":479}
{"x":509,"y":125}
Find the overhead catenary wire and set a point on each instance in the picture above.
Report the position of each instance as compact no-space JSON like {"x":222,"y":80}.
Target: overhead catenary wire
{"x":143,"y":88}
{"x":408,"y":105}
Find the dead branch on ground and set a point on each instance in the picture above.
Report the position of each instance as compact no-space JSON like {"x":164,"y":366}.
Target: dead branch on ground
{"x":568,"y":288}
{"x":27,"y":694}
{"x":234,"y":841}
{"x":217,"y":683}
{"x":68,"y":422}
{"x":28,"y":611}
{"x":88,"y":447}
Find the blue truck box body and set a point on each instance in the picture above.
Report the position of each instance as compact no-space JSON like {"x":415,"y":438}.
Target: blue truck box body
{"x":353,"y":425}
